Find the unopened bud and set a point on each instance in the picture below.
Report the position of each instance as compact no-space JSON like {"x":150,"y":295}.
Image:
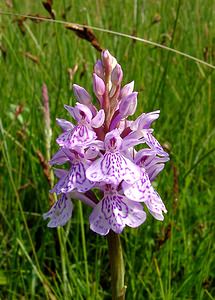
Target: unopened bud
{"x":81,"y":94}
{"x":98,"y":86}
{"x":127,"y":90}
{"x":98,"y":120}
{"x":98,"y":69}
{"x":128,"y":105}
{"x":116,"y":75}
{"x":108,"y":60}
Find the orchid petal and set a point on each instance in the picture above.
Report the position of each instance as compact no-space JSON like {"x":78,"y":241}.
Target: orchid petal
{"x":76,"y":179}
{"x":112,"y":168}
{"x":98,"y":86}
{"x":128,"y":105}
{"x":127,"y":89}
{"x":98,"y":69}
{"x":98,"y":223}
{"x":59,"y":173}
{"x":144,"y":121}
{"x":153,"y":143}
{"x":81,"y":94}
{"x":80,"y":136}
{"x":136,"y":214}
{"x":156,"y":206}
{"x":139,"y":190}
{"x":154,"y":171}
{"x":79,"y":112}
{"x":64,"y":124}
{"x":114,"y":212}
{"x":60,"y":212}
{"x":58,"y":158}
{"x":116,"y":75}
{"x":99,"y":119}
{"x":92,"y":152}
{"x":94,"y":172}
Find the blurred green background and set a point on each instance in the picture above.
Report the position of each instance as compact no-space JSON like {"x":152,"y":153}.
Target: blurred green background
{"x":173,"y":259}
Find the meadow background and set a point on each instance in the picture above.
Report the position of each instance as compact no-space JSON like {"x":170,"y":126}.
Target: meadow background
{"x":166,"y":260}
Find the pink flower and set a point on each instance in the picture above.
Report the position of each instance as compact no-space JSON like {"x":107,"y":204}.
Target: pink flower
{"x":100,"y":149}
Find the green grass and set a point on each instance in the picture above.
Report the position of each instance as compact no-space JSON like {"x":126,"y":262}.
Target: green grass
{"x":167,"y":260}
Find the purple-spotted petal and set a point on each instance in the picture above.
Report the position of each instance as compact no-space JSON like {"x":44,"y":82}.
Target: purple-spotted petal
{"x":140,"y":190}
{"x":136,"y":214}
{"x":156,"y":206}
{"x":80,"y":136}
{"x":113,"y":140}
{"x":153,"y":143}
{"x":114,"y":212}
{"x":109,"y":214}
{"x":59,"y":185}
{"x":60,"y":212}
{"x":80,"y":112}
{"x":112,"y":168}
{"x":97,"y":221}
{"x":76,"y":179}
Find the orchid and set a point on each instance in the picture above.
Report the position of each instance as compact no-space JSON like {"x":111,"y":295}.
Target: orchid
{"x":100,"y":149}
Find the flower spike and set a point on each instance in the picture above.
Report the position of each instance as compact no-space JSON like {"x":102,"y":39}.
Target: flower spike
{"x":100,"y":148}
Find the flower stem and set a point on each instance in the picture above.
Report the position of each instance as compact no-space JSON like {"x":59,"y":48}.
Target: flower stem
{"x":117,"y":266}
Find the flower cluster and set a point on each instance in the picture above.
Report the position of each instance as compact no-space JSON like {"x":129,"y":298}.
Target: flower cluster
{"x":100,"y":150}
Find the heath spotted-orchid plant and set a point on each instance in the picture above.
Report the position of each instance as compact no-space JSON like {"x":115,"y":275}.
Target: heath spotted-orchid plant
{"x":99,"y":148}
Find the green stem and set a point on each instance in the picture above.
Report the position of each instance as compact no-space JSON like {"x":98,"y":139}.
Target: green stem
{"x":117,"y":266}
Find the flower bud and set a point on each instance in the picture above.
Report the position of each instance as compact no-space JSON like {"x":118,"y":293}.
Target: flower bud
{"x":116,"y":75}
{"x":98,"y":120}
{"x":81,"y":94}
{"x":128,"y":105}
{"x":127,"y":90}
{"x":108,"y":61}
{"x":98,"y":69}
{"x":98,"y":86}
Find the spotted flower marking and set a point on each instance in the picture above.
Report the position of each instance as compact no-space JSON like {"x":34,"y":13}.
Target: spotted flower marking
{"x":113,"y":167}
{"x":75,"y":178}
{"x":60,"y":212}
{"x":143,"y":191}
{"x":151,"y":162}
{"x":81,"y":135}
{"x":154,"y":144}
{"x":114,"y":212}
